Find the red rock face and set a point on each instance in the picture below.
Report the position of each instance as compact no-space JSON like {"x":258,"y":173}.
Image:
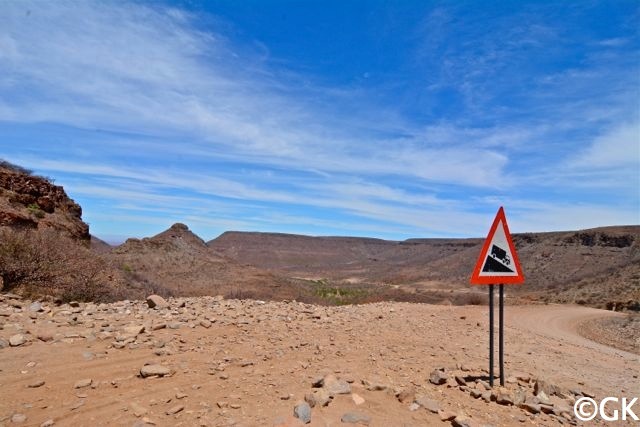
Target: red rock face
{"x":28,"y":201}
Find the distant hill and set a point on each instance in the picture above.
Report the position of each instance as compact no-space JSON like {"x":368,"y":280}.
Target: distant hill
{"x":599,"y":267}
{"x":177,"y":262}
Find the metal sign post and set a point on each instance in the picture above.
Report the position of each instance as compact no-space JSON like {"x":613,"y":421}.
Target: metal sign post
{"x":491,"y":335}
{"x":501,"y":337}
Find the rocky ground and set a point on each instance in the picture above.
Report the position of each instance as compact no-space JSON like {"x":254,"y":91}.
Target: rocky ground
{"x":213,"y":362}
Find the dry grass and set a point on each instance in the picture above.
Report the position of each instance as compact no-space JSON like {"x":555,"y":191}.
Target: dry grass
{"x":39,"y":263}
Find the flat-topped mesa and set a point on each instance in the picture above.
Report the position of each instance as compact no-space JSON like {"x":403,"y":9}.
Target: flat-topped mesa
{"x":33,"y":202}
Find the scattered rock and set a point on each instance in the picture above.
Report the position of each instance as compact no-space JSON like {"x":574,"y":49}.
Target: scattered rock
{"x":154,"y":371}
{"x":438,"y":377}
{"x":17,"y":340}
{"x":357,"y":399}
{"x":462,"y":420}
{"x":302,"y":411}
{"x":138,"y":410}
{"x":519,"y":396}
{"x":335,"y":386}
{"x":175,"y":409}
{"x":531,"y":407}
{"x":543,"y":386}
{"x":320,"y":397}
{"x":36,"y":384}
{"x":356,"y":418}
{"x":45,"y":336}
{"x":157,"y":302}
{"x":133,"y":330}
{"x":86,"y":382}
{"x":428,"y":404}
{"x":407,"y":394}
{"x":35,"y":307}
{"x":18,"y":418}
{"x":504,"y":397}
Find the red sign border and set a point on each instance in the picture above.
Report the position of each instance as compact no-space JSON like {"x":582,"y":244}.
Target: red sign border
{"x":476,"y":279}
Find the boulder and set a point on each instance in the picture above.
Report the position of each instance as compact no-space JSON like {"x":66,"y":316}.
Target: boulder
{"x":157,"y":302}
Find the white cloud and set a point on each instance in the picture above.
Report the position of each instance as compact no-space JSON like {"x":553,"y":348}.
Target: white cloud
{"x":620,"y":147}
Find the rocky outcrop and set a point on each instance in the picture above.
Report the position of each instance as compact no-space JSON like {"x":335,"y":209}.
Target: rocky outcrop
{"x":33,"y":202}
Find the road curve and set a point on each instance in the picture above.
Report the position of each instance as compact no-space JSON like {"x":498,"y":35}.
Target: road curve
{"x":561,"y":322}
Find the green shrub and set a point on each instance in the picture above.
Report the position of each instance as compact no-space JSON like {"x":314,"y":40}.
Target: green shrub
{"x":35,"y":210}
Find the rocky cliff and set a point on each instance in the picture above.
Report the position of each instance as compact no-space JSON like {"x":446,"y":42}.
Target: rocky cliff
{"x":33,"y":202}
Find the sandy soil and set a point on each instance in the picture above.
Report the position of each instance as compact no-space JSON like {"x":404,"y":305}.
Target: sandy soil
{"x":248,"y":363}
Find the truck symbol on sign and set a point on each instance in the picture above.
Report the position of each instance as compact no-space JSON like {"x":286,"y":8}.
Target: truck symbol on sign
{"x":501,"y":254}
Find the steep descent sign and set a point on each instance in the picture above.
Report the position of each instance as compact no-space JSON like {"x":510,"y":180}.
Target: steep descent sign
{"x":498,"y":261}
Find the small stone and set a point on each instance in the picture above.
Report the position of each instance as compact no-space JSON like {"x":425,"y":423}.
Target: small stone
{"x":17,"y":340}
{"x":438,"y":377}
{"x":35,"y":307}
{"x":531,"y":407}
{"x":133,"y":330}
{"x":503,"y":397}
{"x":543,"y":386}
{"x":302,"y":411}
{"x":484,"y":384}
{"x":407,"y":394}
{"x":48,"y":423}
{"x":428,"y":404}
{"x":18,"y":418}
{"x":154,"y":371}
{"x":460,"y":380}
{"x":335,"y":386}
{"x":357,"y":399}
{"x":36,"y":384}
{"x":175,"y":409}
{"x":320,"y":397}
{"x":157,"y":302}
{"x":138,"y":410}
{"x":235,"y":406}
{"x":181,"y":395}
{"x":356,"y":418}
{"x":519,"y":397}
{"x":414,"y":407}
{"x":205,"y":324}
{"x":462,"y":420}
{"x":543,"y":398}
{"x":86,"y":382}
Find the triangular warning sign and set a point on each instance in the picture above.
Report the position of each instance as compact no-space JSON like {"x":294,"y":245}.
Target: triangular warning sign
{"x":498,"y":261}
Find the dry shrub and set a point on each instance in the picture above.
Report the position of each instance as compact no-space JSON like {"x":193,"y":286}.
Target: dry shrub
{"x":39,"y":263}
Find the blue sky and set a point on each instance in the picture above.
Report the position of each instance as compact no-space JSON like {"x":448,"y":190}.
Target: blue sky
{"x":367,"y":118}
